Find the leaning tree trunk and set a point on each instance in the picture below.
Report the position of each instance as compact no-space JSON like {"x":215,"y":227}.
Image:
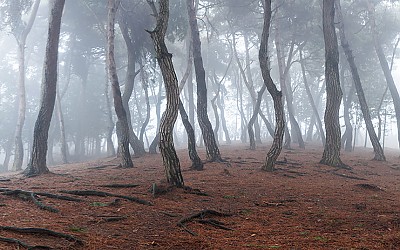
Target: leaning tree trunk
{"x":379,"y":155}
{"x":276,"y":147}
{"x":21,"y":41}
{"x":311,"y":99}
{"x":197,"y":164}
{"x":124,"y":155}
{"x":145,"y":86}
{"x":164,"y":58}
{"x":385,"y":68}
{"x":212,"y":149}
{"x":137,"y":145}
{"x":256,"y":110}
{"x":37,"y":164}
{"x":331,"y":155}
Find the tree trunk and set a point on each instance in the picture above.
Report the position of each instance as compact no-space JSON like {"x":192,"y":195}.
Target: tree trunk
{"x":197,"y":164}
{"x":385,"y":68}
{"x":331,"y":155}
{"x":284,"y":68}
{"x":212,"y":149}
{"x":256,"y":110}
{"x":137,"y":145}
{"x":21,"y":41}
{"x":125,"y":156}
{"x":145,"y":86}
{"x":379,"y":155}
{"x":164,"y":58}
{"x":276,"y":147}
{"x":311,"y":99}
{"x":63,"y":142}
{"x":110,"y":122}
{"x":221,"y":106}
{"x":37,"y":164}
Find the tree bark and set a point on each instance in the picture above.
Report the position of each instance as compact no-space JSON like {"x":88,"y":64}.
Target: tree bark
{"x":379,"y":155}
{"x":212,"y":150}
{"x":37,"y":164}
{"x":63,"y":141}
{"x":21,"y":42}
{"x":276,"y":147}
{"x":124,"y":155}
{"x":331,"y":154}
{"x":164,"y":59}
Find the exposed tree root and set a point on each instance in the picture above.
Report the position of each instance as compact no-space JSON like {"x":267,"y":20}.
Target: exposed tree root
{"x":200,"y":217}
{"x":23,"y":244}
{"x":116,"y":185}
{"x":105,"y":194}
{"x":103,"y":166}
{"x":348,"y":176}
{"x":33,"y":196}
{"x":371,"y":187}
{"x":40,"y":231}
{"x":194,"y":191}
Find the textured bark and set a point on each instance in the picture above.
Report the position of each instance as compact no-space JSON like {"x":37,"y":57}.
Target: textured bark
{"x":276,"y":147}
{"x":385,"y":68}
{"x":164,"y":59}
{"x":123,"y":147}
{"x":331,"y":154}
{"x":37,"y":164}
{"x":197,"y":164}
{"x":311,"y":99}
{"x":379,"y":155}
{"x":21,"y":41}
{"x":210,"y":143}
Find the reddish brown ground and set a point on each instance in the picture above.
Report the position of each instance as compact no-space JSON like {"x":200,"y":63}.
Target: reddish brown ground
{"x":302,"y":205}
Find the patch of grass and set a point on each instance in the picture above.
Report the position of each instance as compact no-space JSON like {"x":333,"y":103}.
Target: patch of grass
{"x":229,"y":197}
{"x":304,"y":233}
{"x":77,"y":229}
{"x":320,"y":238}
{"x":99,"y":204}
{"x":262,"y":246}
{"x":245,"y":211}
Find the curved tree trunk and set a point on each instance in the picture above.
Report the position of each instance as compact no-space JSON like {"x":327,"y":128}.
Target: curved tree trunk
{"x":311,"y":99}
{"x":379,"y":155}
{"x":21,"y":41}
{"x":145,"y":86}
{"x":164,"y":58}
{"x":123,"y":147}
{"x":385,"y":68}
{"x":136,"y":144}
{"x":276,"y":147}
{"x":210,"y":143}
{"x":221,"y":106}
{"x":37,"y":164}
{"x":331,"y":154}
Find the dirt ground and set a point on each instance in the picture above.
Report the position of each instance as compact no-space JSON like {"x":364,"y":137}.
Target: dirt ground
{"x":302,"y":205}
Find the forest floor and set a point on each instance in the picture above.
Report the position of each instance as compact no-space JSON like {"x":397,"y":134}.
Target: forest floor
{"x":302,"y":205}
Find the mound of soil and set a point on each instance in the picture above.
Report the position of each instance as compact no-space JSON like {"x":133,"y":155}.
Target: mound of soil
{"x":233,"y":205}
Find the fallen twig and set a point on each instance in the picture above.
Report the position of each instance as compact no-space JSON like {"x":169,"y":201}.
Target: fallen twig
{"x":201,"y":215}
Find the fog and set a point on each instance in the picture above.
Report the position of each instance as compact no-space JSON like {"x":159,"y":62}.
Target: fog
{"x":230,"y":34}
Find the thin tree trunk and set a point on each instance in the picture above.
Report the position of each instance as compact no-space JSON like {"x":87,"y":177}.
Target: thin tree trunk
{"x":164,"y":58}
{"x":311,"y":99}
{"x":63,"y":142}
{"x":385,"y":68}
{"x":331,"y":154}
{"x":110,"y":122}
{"x":124,"y":155}
{"x":221,"y":106}
{"x":21,"y":41}
{"x":145,"y":86}
{"x":37,"y":164}
{"x":379,"y":155}
{"x":276,"y":147}
{"x":212,"y":150}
